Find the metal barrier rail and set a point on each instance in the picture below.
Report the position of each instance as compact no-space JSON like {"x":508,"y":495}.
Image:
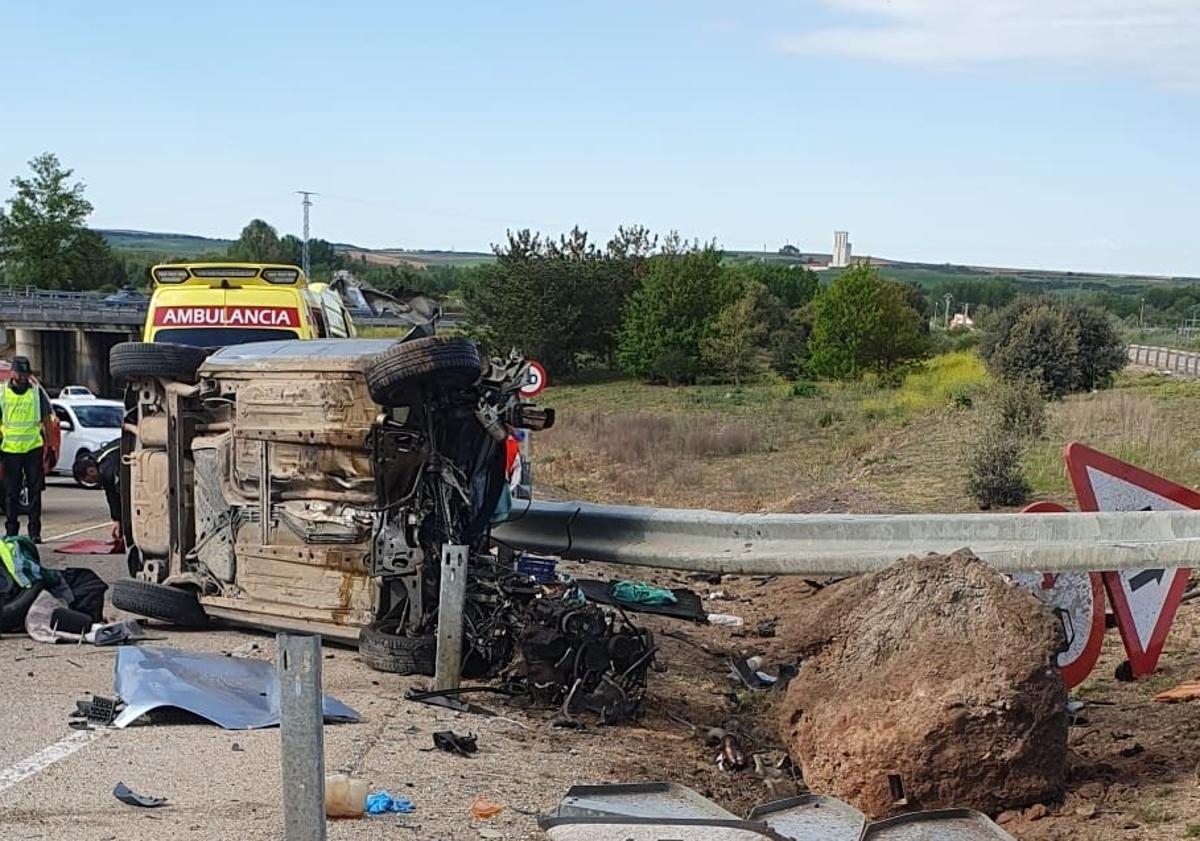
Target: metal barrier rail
{"x":1174,"y":360}
{"x":850,"y":544}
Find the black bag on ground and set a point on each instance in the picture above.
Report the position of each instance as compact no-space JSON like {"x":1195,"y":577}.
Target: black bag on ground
{"x":87,"y":592}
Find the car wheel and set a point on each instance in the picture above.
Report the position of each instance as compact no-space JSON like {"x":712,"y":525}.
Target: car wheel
{"x":158,"y":601}
{"x":451,"y":362}
{"x":132,"y":360}
{"x":91,"y":486}
{"x":381,"y":648}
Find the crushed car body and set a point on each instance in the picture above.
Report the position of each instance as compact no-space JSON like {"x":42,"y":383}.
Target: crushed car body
{"x":312,"y":485}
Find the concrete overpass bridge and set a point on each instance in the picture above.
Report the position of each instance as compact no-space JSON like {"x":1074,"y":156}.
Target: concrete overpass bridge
{"x":67,"y":335}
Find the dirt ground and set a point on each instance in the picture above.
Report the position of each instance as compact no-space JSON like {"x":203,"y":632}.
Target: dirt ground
{"x":1134,"y":763}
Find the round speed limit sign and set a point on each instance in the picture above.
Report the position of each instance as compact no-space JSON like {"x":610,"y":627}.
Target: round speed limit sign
{"x":535,"y":380}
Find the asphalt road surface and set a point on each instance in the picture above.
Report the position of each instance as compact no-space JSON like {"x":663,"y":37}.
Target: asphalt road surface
{"x":56,"y":783}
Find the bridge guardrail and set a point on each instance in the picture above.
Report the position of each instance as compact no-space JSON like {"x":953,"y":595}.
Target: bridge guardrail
{"x":1183,"y":362}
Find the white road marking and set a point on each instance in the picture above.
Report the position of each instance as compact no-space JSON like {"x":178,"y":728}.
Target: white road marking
{"x":59,"y":537}
{"x":47,"y":756}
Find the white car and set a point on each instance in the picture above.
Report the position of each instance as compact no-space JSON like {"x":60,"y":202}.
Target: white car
{"x":72,"y":391}
{"x":87,"y":425}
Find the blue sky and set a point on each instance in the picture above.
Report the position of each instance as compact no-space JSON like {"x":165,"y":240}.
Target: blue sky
{"x":1041,"y":133}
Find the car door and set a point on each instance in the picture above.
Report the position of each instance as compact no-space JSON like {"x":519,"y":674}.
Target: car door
{"x":69,"y":426}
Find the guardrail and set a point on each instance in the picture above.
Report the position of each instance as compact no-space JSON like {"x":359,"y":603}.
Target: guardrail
{"x":848,"y":544}
{"x":42,"y":309}
{"x":1173,"y":360}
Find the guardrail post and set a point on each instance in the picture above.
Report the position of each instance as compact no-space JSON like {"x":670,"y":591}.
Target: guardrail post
{"x":301,"y":736}
{"x":450,"y":616}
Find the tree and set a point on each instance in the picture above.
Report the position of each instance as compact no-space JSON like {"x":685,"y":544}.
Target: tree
{"x":560,"y":300}
{"x":1063,"y":347}
{"x":258,"y":243}
{"x":737,"y":346}
{"x":1102,"y":352}
{"x":43,"y":241}
{"x":1041,"y":347}
{"x":670,"y":313}
{"x":863,"y":323}
{"x":792,"y":285}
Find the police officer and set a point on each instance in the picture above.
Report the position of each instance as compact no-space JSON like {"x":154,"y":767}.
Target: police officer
{"x":25,"y":415}
{"x":103,"y":468}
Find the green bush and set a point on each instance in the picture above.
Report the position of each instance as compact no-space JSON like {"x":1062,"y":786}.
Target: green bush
{"x":1018,"y":409}
{"x":994,"y":474}
{"x":803,"y":388}
{"x":1063,"y":348}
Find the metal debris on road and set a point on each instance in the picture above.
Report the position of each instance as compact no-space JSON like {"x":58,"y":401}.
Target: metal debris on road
{"x":127,"y":795}
{"x":667,"y":810}
{"x":234,"y":693}
{"x":452,"y":742}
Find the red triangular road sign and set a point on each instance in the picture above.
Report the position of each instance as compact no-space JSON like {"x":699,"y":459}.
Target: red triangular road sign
{"x":1144,"y":600}
{"x":1077,"y":599}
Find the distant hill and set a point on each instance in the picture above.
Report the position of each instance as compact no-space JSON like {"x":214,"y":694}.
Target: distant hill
{"x":926,"y":274}
{"x":175,"y":245}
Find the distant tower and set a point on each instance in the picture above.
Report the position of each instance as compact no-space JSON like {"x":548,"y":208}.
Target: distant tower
{"x":841,"y":250}
{"x":307,"y":203}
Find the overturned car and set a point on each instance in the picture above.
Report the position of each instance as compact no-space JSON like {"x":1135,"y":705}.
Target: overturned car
{"x":316,"y":485}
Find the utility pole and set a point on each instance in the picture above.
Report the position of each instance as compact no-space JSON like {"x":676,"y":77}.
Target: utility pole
{"x":1142,"y":316}
{"x":306,"y":204}
{"x":948,"y":298}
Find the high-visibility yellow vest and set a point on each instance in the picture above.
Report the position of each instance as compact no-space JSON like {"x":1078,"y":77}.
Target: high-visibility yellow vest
{"x":21,"y":423}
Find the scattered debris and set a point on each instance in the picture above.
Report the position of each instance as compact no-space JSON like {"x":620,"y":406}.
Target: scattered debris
{"x":715,"y":595}
{"x":541,"y":568}
{"x":962,"y":666}
{"x":731,"y":756}
{"x":130,"y":797}
{"x":345,"y":796}
{"x":452,"y":742}
{"x":637,"y":597}
{"x":234,"y":693}
{"x":99,"y":710}
{"x":1189,"y":691}
{"x":115,"y":633}
{"x":766,"y":628}
{"x":726,"y":620}
{"x":668,"y":810}
{"x":583,"y":659}
{"x":382,"y":802}
{"x":484,"y":809}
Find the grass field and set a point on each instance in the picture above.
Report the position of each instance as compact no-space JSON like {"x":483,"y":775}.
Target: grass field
{"x":178,"y":245}
{"x":838,"y":447}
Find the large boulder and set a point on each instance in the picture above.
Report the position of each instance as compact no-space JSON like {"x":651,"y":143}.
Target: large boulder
{"x":930,"y":684}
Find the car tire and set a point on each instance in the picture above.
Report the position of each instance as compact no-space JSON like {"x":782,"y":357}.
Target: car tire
{"x":448,"y":361}
{"x":84,"y":451}
{"x":132,"y":360}
{"x":381,"y":648}
{"x":158,"y":601}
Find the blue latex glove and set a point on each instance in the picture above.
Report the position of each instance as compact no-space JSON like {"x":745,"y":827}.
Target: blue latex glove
{"x":382,"y":802}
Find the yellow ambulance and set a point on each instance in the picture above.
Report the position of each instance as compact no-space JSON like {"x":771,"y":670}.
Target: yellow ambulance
{"x":219,"y":304}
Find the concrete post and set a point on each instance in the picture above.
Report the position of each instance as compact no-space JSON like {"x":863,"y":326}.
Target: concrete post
{"x":28,"y":343}
{"x":90,"y":361}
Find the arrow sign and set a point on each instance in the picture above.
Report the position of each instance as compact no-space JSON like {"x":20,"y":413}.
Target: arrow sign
{"x":1077,"y":599}
{"x":1144,"y":601}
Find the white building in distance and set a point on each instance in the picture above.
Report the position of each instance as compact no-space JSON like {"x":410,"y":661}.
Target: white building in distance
{"x":841,"y":250}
